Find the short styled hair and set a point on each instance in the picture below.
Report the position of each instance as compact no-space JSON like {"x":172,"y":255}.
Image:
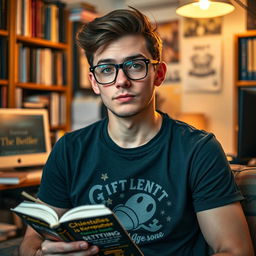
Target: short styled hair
{"x":121,"y":22}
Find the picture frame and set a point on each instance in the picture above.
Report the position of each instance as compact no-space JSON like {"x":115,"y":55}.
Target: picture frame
{"x":169,"y":33}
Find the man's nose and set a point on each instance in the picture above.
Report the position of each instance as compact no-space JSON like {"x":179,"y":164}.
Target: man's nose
{"x":122,"y":80}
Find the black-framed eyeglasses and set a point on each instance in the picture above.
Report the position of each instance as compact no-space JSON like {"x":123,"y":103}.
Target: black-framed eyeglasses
{"x":136,"y":69}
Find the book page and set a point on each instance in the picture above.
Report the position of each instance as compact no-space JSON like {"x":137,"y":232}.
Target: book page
{"x":85,"y":211}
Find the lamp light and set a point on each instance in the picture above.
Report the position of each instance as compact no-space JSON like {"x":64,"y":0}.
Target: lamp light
{"x":204,"y":8}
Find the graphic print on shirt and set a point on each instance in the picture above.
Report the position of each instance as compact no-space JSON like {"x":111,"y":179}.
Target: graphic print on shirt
{"x":142,"y":206}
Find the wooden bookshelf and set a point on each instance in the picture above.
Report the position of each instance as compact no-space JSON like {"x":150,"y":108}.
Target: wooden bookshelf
{"x":245,"y":59}
{"x":41,"y":42}
{"x":4,"y":34}
{"x":41,"y":87}
{"x":28,"y":88}
{"x":239,"y":64}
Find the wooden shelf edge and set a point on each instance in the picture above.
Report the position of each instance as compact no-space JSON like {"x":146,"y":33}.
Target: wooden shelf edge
{"x":246,"y":34}
{"x":3,"y":32}
{"x":3,"y":82}
{"x":42,"y":87}
{"x":245,"y":83}
{"x":21,"y":185}
{"x":59,"y":127}
{"x":41,"y":42}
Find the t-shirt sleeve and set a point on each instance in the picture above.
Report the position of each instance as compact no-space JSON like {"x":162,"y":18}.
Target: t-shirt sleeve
{"x":211,"y":179}
{"x":54,"y":189}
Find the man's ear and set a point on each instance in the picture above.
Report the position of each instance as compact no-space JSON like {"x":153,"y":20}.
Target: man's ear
{"x":160,"y":73}
{"x":94,"y":84}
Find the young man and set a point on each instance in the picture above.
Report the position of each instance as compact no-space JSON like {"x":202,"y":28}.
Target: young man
{"x":168,"y":183}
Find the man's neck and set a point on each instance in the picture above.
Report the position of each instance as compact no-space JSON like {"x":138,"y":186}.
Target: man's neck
{"x":134,"y":131}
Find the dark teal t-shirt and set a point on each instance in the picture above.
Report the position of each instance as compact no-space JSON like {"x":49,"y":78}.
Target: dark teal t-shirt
{"x":155,"y":189}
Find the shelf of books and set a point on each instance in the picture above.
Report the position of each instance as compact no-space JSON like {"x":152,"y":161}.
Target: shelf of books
{"x":245,"y":70}
{"x":38,"y":43}
{"x":3,"y":49}
{"x":245,"y":48}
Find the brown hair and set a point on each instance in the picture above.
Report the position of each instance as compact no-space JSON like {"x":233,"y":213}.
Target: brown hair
{"x":106,"y":29}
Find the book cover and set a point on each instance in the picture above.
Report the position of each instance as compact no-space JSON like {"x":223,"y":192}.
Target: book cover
{"x":95,"y":224}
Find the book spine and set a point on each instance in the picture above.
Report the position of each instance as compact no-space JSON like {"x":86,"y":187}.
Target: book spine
{"x":54,"y":109}
{"x":38,"y":65}
{"x":3,"y":14}
{"x":62,"y":23}
{"x":33,"y":17}
{"x":33,"y":65}
{"x":3,"y":97}
{"x":3,"y":60}
{"x":28,"y":64}
{"x":250,"y":58}
{"x":19,"y":18}
{"x":18,"y":97}
{"x":22,"y":63}
{"x":47,"y":22}
{"x":254,"y":58}
{"x":243,"y":59}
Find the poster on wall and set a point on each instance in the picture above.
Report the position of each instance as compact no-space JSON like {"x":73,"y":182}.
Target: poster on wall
{"x":202,"y":27}
{"x":202,"y":65}
{"x":169,"y":33}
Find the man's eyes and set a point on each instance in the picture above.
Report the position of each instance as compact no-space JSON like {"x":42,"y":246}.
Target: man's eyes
{"x":106,"y":69}
{"x":134,"y":65}
{"x":137,"y":65}
{"x":129,"y":65}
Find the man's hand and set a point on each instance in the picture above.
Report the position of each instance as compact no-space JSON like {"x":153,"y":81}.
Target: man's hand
{"x":78,"y":248}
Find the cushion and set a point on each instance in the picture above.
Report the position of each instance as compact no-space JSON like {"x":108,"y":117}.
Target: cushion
{"x":246,"y":180}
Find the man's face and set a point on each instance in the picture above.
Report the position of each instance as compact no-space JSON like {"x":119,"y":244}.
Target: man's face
{"x":126,"y":97}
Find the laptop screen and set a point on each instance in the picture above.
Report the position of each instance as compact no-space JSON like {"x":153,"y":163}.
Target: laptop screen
{"x":24,"y":137}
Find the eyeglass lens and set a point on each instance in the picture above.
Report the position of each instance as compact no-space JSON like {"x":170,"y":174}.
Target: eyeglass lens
{"x":134,"y":69}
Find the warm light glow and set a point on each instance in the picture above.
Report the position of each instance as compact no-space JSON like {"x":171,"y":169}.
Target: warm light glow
{"x":204,"y":8}
{"x":203,"y":4}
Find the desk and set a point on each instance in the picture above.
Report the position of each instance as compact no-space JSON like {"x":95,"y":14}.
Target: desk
{"x":33,"y":178}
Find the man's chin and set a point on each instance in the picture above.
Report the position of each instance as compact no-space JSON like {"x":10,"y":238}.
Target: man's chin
{"x":124,"y":114}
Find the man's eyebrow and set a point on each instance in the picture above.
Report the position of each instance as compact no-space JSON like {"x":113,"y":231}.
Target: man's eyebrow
{"x":134,"y":57}
{"x":102,"y":61}
{"x":105,"y":61}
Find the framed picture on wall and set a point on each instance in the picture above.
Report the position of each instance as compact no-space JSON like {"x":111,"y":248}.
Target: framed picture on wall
{"x":169,"y":33}
{"x":202,"y":65}
{"x":202,"y":27}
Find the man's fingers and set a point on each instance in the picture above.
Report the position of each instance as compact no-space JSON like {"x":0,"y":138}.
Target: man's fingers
{"x":49,"y":247}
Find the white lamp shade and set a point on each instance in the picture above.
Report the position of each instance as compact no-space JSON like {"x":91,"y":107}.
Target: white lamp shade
{"x":191,"y":9}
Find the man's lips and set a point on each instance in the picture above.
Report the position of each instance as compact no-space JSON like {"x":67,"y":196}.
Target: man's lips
{"x":124,"y":97}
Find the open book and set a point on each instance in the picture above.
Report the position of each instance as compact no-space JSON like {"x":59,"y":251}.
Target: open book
{"x":95,"y":224}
